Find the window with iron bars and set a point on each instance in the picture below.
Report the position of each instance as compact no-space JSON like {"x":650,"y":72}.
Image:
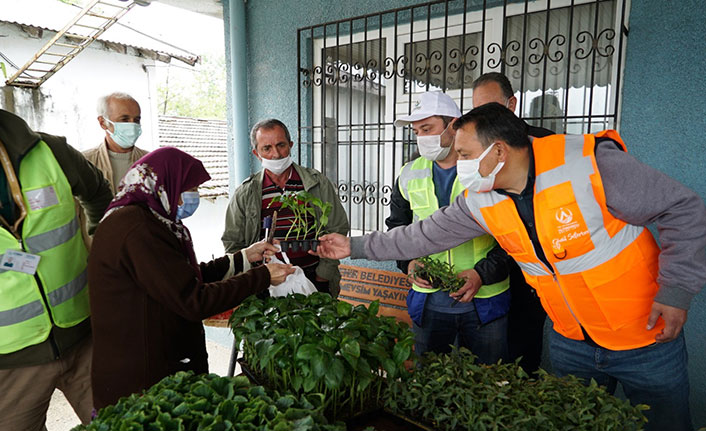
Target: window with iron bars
{"x":355,"y":76}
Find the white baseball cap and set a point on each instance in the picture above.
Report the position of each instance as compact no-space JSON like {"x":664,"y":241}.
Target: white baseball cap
{"x":430,"y":104}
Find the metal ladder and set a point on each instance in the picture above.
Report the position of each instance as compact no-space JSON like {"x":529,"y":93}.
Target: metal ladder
{"x":80,"y":32}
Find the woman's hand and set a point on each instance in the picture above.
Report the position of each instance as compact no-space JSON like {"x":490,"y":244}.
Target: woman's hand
{"x":279,"y":272}
{"x":259,"y":251}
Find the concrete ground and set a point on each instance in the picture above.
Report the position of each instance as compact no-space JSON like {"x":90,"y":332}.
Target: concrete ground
{"x":61,"y":416}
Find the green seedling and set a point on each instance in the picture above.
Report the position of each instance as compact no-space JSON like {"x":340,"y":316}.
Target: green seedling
{"x":317,"y":344}
{"x":305,"y":208}
{"x":454,"y":392}
{"x":440,"y":274}
{"x":185,"y":401}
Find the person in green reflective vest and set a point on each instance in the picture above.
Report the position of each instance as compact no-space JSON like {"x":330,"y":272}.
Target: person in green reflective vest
{"x":424,"y":185}
{"x":45,"y":331}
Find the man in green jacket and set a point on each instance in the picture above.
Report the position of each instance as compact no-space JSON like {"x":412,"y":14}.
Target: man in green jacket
{"x":45,"y":332}
{"x":252,"y":202}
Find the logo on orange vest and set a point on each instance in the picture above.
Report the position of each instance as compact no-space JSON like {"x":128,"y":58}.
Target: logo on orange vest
{"x":564,"y":216}
{"x":557,"y":243}
{"x":567,"y":221}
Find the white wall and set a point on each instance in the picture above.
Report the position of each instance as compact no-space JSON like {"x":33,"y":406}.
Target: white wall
{"x":206,"y":227}
{"x":66,"y":103}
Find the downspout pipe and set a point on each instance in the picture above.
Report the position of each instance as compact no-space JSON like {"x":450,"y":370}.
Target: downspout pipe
{"x":239,"y":139}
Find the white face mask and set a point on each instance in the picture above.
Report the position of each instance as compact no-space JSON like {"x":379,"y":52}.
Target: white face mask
{"x":276,"y":166}
{"x":469,"y":175}
{"x":430,"y":146}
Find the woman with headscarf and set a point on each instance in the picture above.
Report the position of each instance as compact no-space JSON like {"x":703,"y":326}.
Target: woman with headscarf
{"x":148,"y":293}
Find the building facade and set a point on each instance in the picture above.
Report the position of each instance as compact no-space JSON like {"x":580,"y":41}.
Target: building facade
{"x":640,"y":73}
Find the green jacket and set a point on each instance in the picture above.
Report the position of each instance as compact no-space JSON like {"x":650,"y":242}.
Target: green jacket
{"x":92,"y":190}
{"x":244,"y":222}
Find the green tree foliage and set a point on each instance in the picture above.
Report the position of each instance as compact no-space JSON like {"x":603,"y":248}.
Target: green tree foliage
{"x":198,"y":93}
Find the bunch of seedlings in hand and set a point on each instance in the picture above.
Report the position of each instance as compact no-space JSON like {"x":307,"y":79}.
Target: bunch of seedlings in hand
{"x":440,"y":275}
{"x":310,"y":216}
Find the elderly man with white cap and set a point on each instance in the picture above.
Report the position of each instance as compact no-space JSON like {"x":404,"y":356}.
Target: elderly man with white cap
{"x":423,"y":186}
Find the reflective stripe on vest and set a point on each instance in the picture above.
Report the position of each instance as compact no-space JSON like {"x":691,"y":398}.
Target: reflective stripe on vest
{"x":21,"y":313}
{"x":417,"y":187}
{"x":50,"y":230}
{"x":603,"y":270}
{"x":52,"y":238}
{"x":68,"y":290}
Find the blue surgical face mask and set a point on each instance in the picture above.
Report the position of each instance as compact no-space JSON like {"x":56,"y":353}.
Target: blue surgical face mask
{"x":125,"y":134}
{"x":188,"y":208}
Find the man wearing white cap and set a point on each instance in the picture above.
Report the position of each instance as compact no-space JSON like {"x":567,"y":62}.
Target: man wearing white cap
{"x":423,"y":186}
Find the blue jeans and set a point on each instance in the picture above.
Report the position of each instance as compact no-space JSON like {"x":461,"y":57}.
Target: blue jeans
{"x":655,"y":375}
{"x":440,"y":330}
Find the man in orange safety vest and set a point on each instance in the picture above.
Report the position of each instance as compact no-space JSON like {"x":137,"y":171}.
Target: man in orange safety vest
{"x":572,"y":211}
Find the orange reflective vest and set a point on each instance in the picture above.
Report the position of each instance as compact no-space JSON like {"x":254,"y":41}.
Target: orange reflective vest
{"x":603,"y":271}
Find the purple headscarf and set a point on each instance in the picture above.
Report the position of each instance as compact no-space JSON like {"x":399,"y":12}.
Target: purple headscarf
{"x":157,"y":180}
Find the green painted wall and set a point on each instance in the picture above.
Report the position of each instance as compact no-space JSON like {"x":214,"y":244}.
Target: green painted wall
{"x":663,"y":122}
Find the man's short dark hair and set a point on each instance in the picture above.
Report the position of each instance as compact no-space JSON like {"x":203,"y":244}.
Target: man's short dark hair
{"x":494,"y":122}
{"x":267,"y":124}
{"x":498,"y":78}
{"x":446,"y":119}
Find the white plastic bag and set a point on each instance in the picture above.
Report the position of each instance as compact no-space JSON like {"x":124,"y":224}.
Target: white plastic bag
{"x":295,"y":283}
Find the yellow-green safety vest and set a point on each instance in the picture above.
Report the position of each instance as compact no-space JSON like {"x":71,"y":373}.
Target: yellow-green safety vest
{"x":417,"y":187}
{"x":50,"y":230}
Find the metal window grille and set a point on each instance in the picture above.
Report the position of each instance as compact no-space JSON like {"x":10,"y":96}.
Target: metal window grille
{"x":355,"y":76}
